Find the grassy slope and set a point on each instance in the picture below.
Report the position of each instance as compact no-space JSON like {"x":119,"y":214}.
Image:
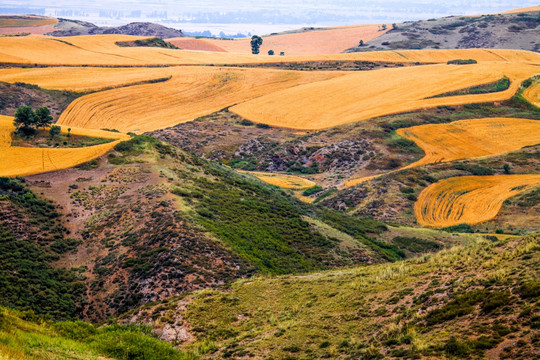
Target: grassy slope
{"x":25,"y":336}
{"x":416,"y":308}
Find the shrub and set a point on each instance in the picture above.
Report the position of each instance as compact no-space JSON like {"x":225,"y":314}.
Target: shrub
{"x":529,"y":289}
{"x":312,"y":190}
{"x":54,"y":130}
{"x":462,"y":62}
{"x":495,"y":300}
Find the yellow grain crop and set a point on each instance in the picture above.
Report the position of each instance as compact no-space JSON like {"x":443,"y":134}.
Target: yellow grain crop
{"x":82,"y":79}
{"x":192,"y":92}
{"x":283,"y":180}
{"x":471,"y":138}
{"x":364,"y":95}
{"x":468,"y":199}
{"x":20,"y":161}
{"x":532,"y":94}
{"x":102,"y":50}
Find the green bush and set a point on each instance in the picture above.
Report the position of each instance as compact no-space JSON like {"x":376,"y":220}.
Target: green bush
{"x":312,"y":190}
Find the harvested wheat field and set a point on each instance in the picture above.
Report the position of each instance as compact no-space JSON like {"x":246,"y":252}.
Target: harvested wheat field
{"x":532,"y":94}
{"x":471,"y":138}
{"x":195,"y":44}
{"x":469,"y":199}
{"x":364,"y":95}
{"x":21,"y":161}
{"x":282,"y":180}
{"x":83,"y":79}
{"x":325,"y":41}
{"x":192,"y":92}
{"x":102,"y":50}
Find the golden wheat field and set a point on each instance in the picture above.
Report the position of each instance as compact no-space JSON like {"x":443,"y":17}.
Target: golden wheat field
{"x":21,"y":161}
{"x":365,"y":95}
{"x":468,"y":199}
{"x":532,"y":94}
{"x":471,"y":138}
{"x":192,"y":92}
{"x":82,"y":79}
{"x":283,"y":180}
{"x":313,"y":42}
{"x":102,"y":50}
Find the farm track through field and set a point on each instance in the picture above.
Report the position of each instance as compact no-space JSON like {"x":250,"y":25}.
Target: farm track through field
{"x":469,"y":199}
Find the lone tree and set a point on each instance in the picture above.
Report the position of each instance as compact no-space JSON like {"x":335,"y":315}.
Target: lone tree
{"x":256,"y":42}
{"x":43,"y":117}
{"x":54,"y":130}
{"x":270,"y":52}
{"x":361,"y":43}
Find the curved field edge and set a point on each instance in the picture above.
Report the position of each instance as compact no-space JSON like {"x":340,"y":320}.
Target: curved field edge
{"x":365,"y":95}
{"x":22,"y":161}
{"x":466,"y":139}
{"x":469,"y":199}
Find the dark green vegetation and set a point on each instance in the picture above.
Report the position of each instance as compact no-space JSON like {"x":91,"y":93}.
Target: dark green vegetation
{"x":151,"y":42}
{"x":462,"y":62}
{"x":496,"y":86}
{"x":27,"y":120}
{"x":31,"y":238}
{"x":256,"y":42}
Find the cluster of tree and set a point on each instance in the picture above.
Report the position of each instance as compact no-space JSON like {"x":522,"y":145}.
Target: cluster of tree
{"x":256,"y":42}
{"x":27,"y":120}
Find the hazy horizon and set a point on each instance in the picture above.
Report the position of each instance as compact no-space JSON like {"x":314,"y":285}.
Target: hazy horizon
{"x":242,"y":16}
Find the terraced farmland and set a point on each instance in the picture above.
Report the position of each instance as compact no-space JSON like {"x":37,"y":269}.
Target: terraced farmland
{"x":369,"y":94}
{"x":192,"y":92}
{"x":469,"y":199}
{"x":471,"y":138}
{"x":20,"y":161}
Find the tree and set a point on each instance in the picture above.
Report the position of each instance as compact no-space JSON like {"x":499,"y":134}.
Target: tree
{"x":282,"y":53}
{"x":384,"y":27}
{"x":394,"y":26}
{"x":256,"y":42}
{"x":361,"y":43}
{"x":270,"y":52}
{"x":25,"y":120}
{"x":506,"y":169}
{"x":54,"y":130}
{"x":43,"y":117}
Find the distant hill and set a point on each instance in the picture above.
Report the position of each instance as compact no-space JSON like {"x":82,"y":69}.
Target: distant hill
{"x":66,"y":27}
{"x":503,"y":31}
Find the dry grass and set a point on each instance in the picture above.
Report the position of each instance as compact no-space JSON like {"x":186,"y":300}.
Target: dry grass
{"x":471,"y":138}
{"x":25,"y":21}
{"x":520,"y":10}
{"x":327,"y":41}
{"x":192,"y":92}
{"x":20,"y":161}
{"x":532,"y":94}
{"x":369,"y":94}
{"x":82,"y":79}
{"x":283,"y":180}
{"x":468,"y":199}
{"x":102,"y":50}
